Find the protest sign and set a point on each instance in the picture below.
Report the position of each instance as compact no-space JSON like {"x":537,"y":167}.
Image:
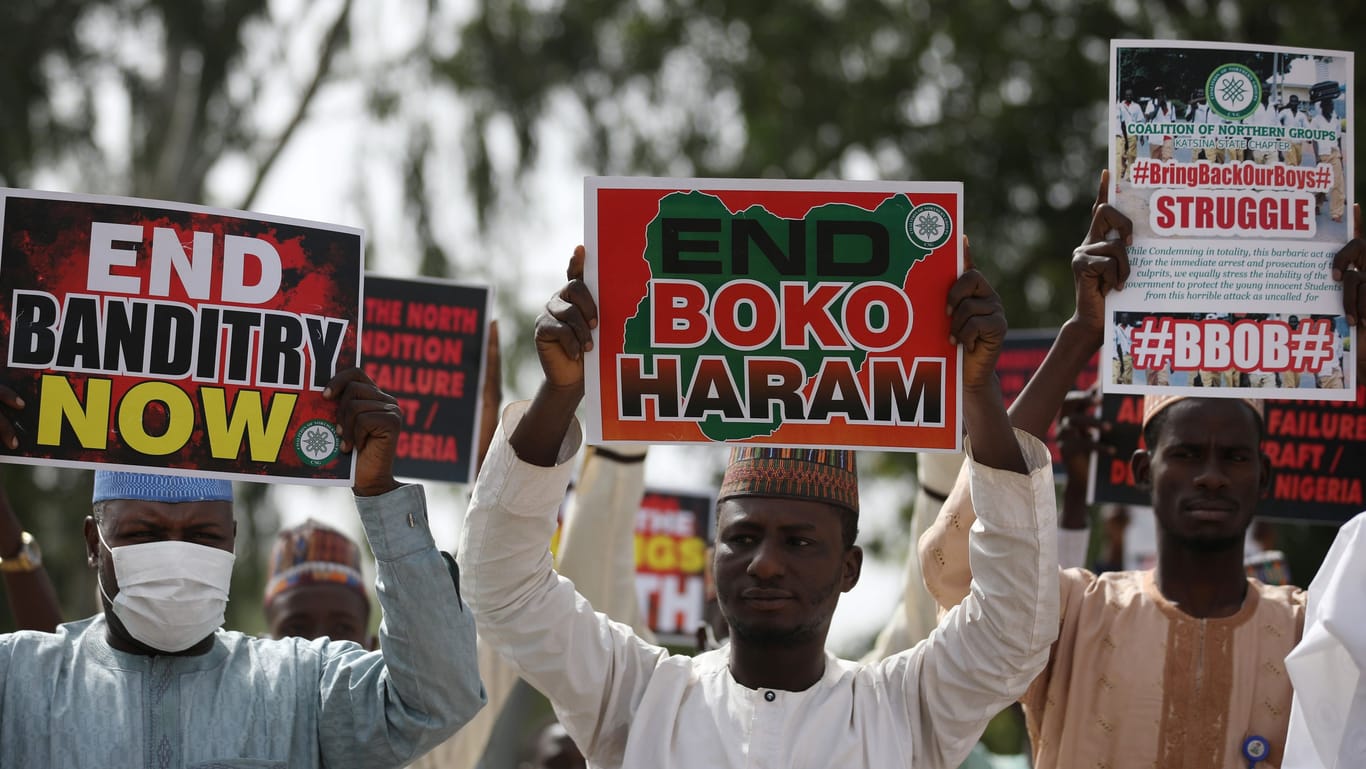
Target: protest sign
{"x":672,"y":532}
{"x":145,"y":334}
{"x":1317,"y":451}
{"x":424,"y":344}
{"x":1021,"y":356}
{"x":783,"y":312}
{"x":1230,"y":159}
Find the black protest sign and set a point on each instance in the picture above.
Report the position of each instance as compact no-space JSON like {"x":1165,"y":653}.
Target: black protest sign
{"x":424,"y":344}
{"x":1317,"y":451}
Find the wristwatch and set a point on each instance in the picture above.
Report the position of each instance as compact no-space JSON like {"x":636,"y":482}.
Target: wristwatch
{"x":29,"y":557}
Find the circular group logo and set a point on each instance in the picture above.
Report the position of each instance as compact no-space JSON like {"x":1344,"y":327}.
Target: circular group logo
{"x":929,"y":226}
{"x":1233,"y":91}
{"x":317,"y":442}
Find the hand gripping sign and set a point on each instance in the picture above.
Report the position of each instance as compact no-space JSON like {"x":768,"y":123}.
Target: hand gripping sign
{"x":151,"y":334}
{"x":798,"y":313}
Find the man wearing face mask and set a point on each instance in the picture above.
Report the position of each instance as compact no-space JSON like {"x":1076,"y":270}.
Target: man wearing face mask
{"x":154,"y":682}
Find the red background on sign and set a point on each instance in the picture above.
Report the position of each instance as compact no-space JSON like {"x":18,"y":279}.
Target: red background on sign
{"x":47,"y":248}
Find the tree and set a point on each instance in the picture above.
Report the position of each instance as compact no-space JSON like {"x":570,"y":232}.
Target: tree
{"x":147,"y":98}
{"x":1010,"y":98}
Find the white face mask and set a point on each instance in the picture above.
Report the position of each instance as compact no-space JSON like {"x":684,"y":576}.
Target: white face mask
{"x":171,"y":594}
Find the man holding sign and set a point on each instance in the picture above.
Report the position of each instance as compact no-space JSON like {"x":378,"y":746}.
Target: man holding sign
{"x":1181,"y":665}
{"x":785,"y":552}
{"x":154,"y":682}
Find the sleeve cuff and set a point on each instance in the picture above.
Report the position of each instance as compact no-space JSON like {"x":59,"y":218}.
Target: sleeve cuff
{"x":1012,"y":500}
{"x":518,"y":485}
{"x":396,"y":522}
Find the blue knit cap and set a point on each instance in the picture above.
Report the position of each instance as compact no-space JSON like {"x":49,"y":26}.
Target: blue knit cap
{"x":150,"y":487}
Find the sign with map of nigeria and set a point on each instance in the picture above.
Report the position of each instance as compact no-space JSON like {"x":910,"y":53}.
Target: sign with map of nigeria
{"x":799,"y":313}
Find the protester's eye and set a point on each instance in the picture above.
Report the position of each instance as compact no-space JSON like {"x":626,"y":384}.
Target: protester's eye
{"x":800,"y":542}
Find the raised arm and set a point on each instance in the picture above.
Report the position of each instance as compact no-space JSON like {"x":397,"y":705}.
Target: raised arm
{"x":1099,"y":265}
{"x":987,"y":650}
{"x":526,"y":611}
{"x":387,"y":707}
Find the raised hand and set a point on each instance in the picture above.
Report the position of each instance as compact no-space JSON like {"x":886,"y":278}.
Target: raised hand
{"x":1080,"y":432}
{"x":564,"y":331}
{"x":978,"y":323}
{"x":1101,"y":263}
{"x":370,"y":421}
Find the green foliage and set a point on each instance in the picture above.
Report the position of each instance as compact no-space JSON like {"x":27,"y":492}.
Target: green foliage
{"x":1009,"y":97}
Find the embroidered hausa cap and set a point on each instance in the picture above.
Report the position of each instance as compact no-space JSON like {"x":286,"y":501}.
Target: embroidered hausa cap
{"x":1153,"y":404}
{"x":153,"y":487}
{"x":313,"y":553}
{"x":823,"y":475}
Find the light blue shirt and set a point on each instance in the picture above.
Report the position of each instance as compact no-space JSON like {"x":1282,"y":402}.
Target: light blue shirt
{"x":70,"y":700}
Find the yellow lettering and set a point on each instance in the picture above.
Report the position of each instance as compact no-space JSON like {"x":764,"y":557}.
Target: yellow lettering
{"x":60,"y":405}
{"x":179,"y":418}
{"x":692,"y":555}
{"x":659,"y":553}
{"x":264,"y":436}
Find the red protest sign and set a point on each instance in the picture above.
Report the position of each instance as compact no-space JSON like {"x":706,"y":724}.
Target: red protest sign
{"x":424,"y":344}
{"x":673,"y":530}
{"x":145,"y":334}
{"x":793,"y":313}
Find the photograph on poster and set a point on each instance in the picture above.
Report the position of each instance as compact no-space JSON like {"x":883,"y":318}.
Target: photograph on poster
{"x":1232,"y":162}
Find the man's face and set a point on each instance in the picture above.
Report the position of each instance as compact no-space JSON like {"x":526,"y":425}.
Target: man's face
{"x":1206,"y":472}
{"x":314,"y":611}
{"x":1294,"y":103}
{"x":780,"y":566}
{"x":134,"y":522}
